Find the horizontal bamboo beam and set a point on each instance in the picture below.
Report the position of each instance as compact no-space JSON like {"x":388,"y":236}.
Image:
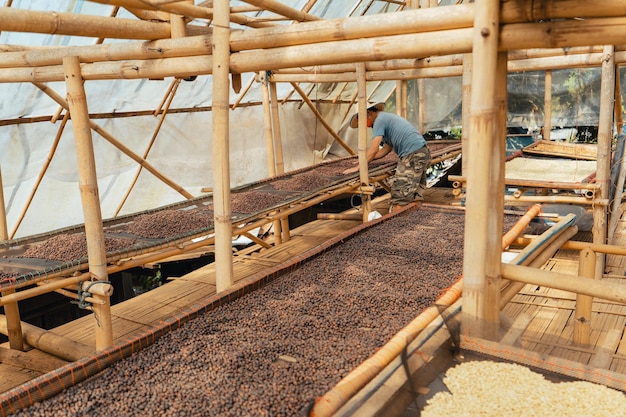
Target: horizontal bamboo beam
{"x":578,"y":246}
{"x":185,"y":9}
{"x":283,"y":10}
{"x":19,"y":20}
{"x":391,"y":47}
{"x":540,"y":184}
{"x":523,"y":10}
{"x":51,"y":343}
{"x":578,"y":285}
{"x":557,"y":199}
{"x":119,"y":145}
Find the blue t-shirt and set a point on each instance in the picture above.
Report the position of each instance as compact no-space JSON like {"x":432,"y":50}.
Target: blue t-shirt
{"x":398,"y":133}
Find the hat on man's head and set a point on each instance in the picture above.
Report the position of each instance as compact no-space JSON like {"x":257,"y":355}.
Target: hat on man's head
{"x":354,"y":121}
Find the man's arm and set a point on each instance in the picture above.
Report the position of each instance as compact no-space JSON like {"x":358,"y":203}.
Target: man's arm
{"x":373,"y":152}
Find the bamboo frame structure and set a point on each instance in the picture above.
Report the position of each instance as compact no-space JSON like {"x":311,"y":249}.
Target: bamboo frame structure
{"x":481,"y":286}
{"x":77,"y":106}
{"x":331,"y":45}
{"x":118,"y":144}
{"x":11,"y":310}
{"x":362,"y":141}
{"x":42,"y":172}
{"x":605,"y":138}
{"x":582,"y":325}
{"x":547,"y":106}
{"x":221,"y":170}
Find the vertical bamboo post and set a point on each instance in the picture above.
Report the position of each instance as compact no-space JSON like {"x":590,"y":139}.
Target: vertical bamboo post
{"x":399,"y":97}
{"x":267,"y":125}
{"x":42,"y":172}
{"x":584,"y":303}
{"x":547,"y":106}
{"x":405,"y":94}
{"x":278,"y":146}
{"x":88,"y":181}
{"x":4,"y":231}
{"x":278,"y":140}
{"x":605,"y":139}
{"x":421,"y":100}
{"x":362,"y":148}
{"x":101,"y":292}
{"x":481,"y":270}
{"x":221,"y":162}
{"x":11,"y":310}
{"x":619,"y":118}
{"x":269,"y":144}
{"x":465,"y":112}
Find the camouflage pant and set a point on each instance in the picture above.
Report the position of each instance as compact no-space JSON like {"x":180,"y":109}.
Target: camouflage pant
{"x":409,"y":182}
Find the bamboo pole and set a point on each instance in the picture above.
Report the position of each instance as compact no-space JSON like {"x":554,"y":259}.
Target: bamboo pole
{"x":619,"y":116}
{"x":404,"y":87}
{"x":466,"y":94}
{"x":188,"y":10}
{"x":221,"y":155}
{"x":20,"y":20}
{"x":51,"y":343}
{"x":4,"y":231}
{"x":11,"y":310}
{"x":511,"y":289}
{"x":389,"y":47}
{"x":398,"y":97}
{"x":283,"y":10}
{"x":481,"y":282}
{"x":243,"y":94}
{"x":283,"y":229}
{"x":118,"y":144}
{"x":441,"y":18}
{"x":42,"y":172}
{"x":101,"y":292}
{"x":577,"y":245}
{"x":270,"y":144}
{"x":170,"y":97}
{"x":566,"y":282}
{"x":584,"y":303}
{"x":267,"y":123}
{"x":540,"y":183}
{"x":277,"y":137}
{"x":330,"y":130}
{"x":362,"y":140}
{"x":547,"y":106}
{"x":96,"y":251}
{"x":603,"y":202}
{"x":605,"y":139}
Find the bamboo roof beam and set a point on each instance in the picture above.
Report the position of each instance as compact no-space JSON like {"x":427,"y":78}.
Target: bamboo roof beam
{"x":42,"y":172}
{"x":319,"y":117}
{"x":524,"y":11}
{"x":515,"y":36}
{"x":406,"y":22}
{"x":118,"y":144}
{"x":184,"y":9}
{"x":20,"y":20}
{"x":283,"y":10}
{"x":438,"y":61}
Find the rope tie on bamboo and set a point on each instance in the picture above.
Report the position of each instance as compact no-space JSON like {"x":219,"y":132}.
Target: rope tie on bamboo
{"x":83,"y":294}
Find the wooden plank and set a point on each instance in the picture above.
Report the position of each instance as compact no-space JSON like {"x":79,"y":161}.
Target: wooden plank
{"x":517,"y":329}
{"x":563,"y":149}
{"x":34,"y":360}
{"x":606,"y":348}
{"x":12,"y":376}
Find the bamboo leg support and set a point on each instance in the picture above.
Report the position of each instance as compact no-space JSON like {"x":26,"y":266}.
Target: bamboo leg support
{"x":582,"y":324}
{"x":101,"y":292}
